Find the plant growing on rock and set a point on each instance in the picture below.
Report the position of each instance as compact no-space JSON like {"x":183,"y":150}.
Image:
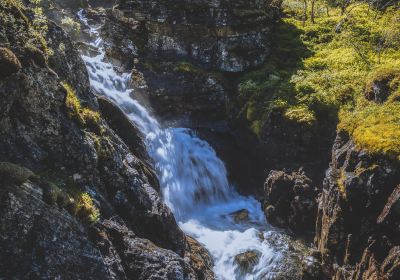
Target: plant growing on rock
{"x":84,"y":116}
{"x":86,"y":209}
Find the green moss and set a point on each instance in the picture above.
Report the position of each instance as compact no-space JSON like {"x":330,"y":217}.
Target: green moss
{"x":186,"y":67}
{"x":64,"y":192}
{"x":84,"y":116}
{"x":374,"y":127}
{"x":300,"y":114}
{"x":85,"y":208}
{"x":328,"y":67}
{"x":387,"y":76}
{"x":341,"y":183}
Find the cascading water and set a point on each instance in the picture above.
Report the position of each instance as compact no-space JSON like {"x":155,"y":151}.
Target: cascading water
{"x":193,"y":181}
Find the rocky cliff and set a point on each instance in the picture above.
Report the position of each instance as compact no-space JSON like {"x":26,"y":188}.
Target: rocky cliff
{"x":358,"y":218}
{"x":180,"y":49}
{"x":76,"y":200}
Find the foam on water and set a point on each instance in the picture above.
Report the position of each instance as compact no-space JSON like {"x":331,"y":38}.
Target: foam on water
{"x":193,"y":179}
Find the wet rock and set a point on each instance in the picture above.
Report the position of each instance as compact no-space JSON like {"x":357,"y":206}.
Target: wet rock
{"x":131,"y":257}
{"x":124,"y":127}
{"x":247,"y":260}
{"x":290,"y":200}
{"x":9,"y":63}
{"x":199,"y":259}
{"x":241,"y":216}
{"x":311,"y":268}
{"x":42,"y":242}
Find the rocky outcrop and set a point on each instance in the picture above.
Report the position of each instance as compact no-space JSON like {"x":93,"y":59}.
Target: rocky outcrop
{"x":229,"y":36}
{"x":180,"y":49}
{"x":357,"y":222}
{"x":89,"y":207}
{"x":290,"y":201}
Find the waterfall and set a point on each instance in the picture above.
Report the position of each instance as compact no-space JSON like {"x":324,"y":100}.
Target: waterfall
{"x":193,"y":180}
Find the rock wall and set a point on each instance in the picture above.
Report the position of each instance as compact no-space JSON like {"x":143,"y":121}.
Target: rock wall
{"x":180,"y":50}
{"x":223,"y":35}
{"x":88,"y":208}
{"x":358,"y":218}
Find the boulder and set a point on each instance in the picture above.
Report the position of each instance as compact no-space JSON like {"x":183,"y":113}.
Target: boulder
{"x":311,"y":268}
{"x":290,"y":200}
{"x":240,"y":216}
{"x":199,"y":259}
{"x":247,"y":260}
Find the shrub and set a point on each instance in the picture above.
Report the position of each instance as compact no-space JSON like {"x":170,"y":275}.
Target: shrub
{"x":85,"y":208}
{"x":300,"y":114}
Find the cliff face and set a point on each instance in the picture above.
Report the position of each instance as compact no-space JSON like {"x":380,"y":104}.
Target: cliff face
{"x":180,"y":50}
{"x":88,"y":206}
{"x":358,"y":218}
{"x":225,"y":35}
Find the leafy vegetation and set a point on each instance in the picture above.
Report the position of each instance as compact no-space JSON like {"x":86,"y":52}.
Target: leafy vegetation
{"x":86,"y":209}
{"x":327,"y":67}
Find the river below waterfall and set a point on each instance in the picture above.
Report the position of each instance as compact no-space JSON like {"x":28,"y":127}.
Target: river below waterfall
{"x":195,"y":186}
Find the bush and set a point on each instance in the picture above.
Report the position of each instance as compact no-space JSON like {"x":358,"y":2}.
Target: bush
{"x":85,"y":208}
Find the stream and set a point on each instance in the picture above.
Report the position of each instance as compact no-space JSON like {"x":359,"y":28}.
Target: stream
{"x":195,"y":185}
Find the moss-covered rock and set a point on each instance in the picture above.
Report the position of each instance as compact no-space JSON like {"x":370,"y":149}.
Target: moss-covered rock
{"x":9,"y":63}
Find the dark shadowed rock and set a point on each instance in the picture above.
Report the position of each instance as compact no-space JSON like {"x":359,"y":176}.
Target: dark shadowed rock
{"x":290,"y":200}
{"x":43,"y":235}
{"x":9,"y":63}
{"x":357,"y":222}
{"x":224,"y":35}
{"x":124,"y":127}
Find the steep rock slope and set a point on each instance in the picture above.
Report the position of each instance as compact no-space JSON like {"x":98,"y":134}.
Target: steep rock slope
{"x":179,"y":49}
{"x":88,"y":207}
{"x":358,"y":218}
{"x":223,"y":35}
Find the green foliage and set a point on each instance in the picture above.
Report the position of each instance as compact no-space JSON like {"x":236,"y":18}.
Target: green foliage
{"x":84,"y":116}
{"x":85,"y":208}
{"x":62,"y":191}
{"x":374,"y":127}
{"x":330,"y":66}
{"x":388,"y":76}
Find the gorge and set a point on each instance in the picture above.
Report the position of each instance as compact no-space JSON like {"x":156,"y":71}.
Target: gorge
{"x":198,"y":140}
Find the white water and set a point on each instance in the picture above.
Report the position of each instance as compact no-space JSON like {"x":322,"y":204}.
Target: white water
{"x":193,"y":180}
